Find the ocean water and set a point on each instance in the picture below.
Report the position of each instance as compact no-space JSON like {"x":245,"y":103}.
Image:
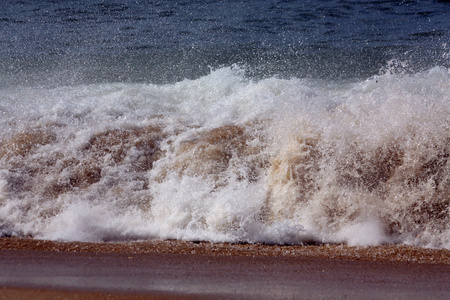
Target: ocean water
{"x":283,"y":122}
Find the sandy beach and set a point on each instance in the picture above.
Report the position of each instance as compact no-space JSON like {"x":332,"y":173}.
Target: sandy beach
{"x":186,"y":270}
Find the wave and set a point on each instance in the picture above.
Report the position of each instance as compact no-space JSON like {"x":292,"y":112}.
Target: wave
{"x":227,"y":158}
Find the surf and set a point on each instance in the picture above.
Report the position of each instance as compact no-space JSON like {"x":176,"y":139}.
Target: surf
{"x":227,"y":157}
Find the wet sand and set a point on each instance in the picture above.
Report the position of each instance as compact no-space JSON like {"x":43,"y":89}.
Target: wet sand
{"x":186,"y":270}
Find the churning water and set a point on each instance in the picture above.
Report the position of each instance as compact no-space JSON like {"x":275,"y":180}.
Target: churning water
{"x":267,"y":121}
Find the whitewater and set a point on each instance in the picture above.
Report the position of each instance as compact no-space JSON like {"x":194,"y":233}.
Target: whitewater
{"x":230,"y":158}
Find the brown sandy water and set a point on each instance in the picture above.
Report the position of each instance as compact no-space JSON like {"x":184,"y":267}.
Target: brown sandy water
{"x":176,"y":269}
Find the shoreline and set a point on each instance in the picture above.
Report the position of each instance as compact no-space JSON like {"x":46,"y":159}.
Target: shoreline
{"x":40,"y":269}
{"x":388,"y":253}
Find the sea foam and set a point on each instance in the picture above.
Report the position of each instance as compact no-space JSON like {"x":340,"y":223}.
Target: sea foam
{"x":228,"y":158}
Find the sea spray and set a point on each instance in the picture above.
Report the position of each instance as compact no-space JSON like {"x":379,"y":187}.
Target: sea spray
{"x":228,"y":158}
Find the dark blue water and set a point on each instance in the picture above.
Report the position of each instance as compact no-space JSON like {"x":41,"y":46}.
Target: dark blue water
{"x":69,"y":42}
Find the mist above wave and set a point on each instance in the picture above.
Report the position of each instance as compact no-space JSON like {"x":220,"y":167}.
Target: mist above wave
{"x":227,"y":158}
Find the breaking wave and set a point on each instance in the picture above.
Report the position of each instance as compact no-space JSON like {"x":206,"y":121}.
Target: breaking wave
{"x":227,"y":158}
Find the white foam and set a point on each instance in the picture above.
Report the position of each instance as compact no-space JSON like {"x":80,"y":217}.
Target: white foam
{"x":364,"y":233}
{"x":320,"y":161}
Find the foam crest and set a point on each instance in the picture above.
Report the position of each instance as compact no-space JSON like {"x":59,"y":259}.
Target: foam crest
{"x":227,"y":158}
